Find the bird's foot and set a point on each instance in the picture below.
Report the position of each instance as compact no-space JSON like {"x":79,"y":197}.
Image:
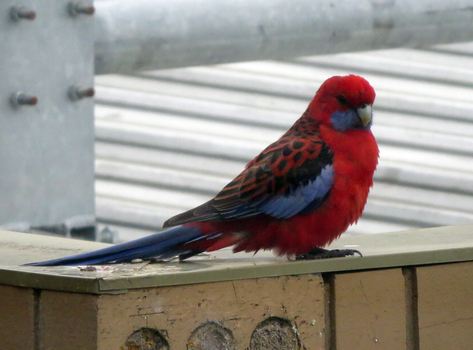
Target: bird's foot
{"x":320,"y":253}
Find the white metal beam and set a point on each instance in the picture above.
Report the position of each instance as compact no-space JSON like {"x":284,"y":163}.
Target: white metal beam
{"x":157,"y":34}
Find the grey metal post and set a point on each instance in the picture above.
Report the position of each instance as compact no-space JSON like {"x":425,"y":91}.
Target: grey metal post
{"x":46,"y":119}
{"x":157,"y":34}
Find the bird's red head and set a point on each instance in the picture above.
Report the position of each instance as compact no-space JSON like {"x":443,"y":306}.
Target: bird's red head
{"x":344,"y":102}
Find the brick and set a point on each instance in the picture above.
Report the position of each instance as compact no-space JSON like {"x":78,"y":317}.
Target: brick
{"x":16,"y":318}
{"x":370,"y":310}
{"x":68,"y":321}
{"x":445,"y":306}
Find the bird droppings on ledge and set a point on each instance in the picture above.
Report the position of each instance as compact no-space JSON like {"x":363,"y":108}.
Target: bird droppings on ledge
{"x":87,"y":268}
{"x":146,"y":339}
{"x":275,"y":333}
{"x":209,"y":336}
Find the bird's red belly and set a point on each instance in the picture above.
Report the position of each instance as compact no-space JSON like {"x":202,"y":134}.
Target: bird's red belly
{"x":301,"y":233}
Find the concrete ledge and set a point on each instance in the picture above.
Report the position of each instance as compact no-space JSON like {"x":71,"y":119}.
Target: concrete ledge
{"x":410,"y":288}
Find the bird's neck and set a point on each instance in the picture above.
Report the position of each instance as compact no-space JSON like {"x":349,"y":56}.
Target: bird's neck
{"x":355,"y":152}
{"x":305,"y":127}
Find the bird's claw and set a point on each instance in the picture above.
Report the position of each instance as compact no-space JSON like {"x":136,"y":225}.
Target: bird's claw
{"x":320,"y":253}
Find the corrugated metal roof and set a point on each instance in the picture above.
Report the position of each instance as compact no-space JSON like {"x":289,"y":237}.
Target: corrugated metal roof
{"x":169,"y":140}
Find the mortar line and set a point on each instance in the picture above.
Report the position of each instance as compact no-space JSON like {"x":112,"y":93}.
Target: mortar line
{"x":412,"y":312}
{"x":329,"y":311}
{"x":36,"y":319}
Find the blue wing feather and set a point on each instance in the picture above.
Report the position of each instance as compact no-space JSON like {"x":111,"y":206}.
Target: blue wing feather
{"x":284,"y":206}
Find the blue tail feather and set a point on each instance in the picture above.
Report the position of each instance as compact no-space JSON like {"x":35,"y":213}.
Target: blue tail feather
{"x":160,"y":245}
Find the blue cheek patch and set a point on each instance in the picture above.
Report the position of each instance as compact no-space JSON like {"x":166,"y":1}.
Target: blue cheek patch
{"x":343,"y":121}
{"x":301,"y":199}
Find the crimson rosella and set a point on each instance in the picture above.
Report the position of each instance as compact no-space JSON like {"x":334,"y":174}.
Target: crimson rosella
{"x":295,"y":197}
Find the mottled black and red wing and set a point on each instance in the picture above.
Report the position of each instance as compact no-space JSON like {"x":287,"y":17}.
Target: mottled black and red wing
{"x":288,"y":177}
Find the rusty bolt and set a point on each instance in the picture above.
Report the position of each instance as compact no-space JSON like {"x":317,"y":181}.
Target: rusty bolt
{"x":19,"y":98}
{"x":77,"y":8}
{"x":78,"y":93}
{"x":21,"y":12}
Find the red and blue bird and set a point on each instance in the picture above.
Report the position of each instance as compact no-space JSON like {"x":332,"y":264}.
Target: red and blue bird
{"x":297,"y":196}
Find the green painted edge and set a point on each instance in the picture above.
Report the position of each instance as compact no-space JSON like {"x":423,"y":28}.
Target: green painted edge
{"x":99,"y":285}
{"x":50,"y":282}
{"x":292,"y":268}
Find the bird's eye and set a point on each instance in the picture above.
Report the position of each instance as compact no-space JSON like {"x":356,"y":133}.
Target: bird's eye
{"x":342,"y":99}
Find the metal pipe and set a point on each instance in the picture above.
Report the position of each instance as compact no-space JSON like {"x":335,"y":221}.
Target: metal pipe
{"x":158,"y":34}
